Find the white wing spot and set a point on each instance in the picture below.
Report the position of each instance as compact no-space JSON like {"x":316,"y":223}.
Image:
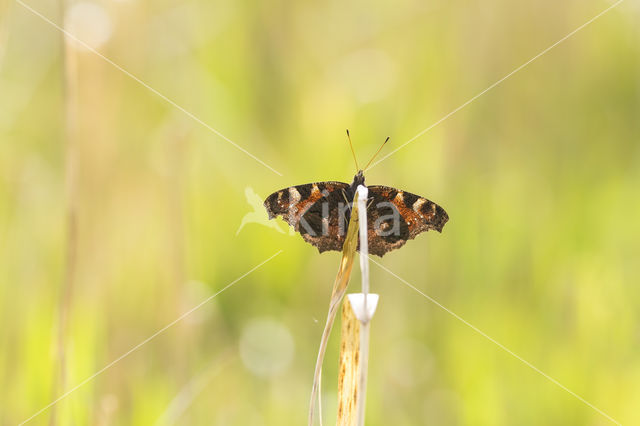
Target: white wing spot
{"x":294,"y":195}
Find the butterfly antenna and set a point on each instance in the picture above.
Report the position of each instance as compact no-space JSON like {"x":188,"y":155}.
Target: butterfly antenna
{"x":352,"y":151}
{"x":377,"y":152}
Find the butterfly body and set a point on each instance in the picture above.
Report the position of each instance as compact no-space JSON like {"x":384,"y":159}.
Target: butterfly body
{"x":320,"y":212}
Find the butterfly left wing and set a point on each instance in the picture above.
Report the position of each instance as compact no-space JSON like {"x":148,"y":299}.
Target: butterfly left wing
{"x":315,"y":210}
{"x":396,"y":216}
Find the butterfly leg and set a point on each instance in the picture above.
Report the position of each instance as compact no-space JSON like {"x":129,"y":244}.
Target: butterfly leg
{"x":369,"y":202}
{"x":344,"y":195}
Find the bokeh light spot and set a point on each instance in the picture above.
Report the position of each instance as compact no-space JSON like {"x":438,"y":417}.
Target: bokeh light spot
{"x":90,"y":23}
{"x":266,"y":347}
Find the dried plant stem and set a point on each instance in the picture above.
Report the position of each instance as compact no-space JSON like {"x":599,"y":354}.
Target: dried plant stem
{"x":354,"y":350}
{"x":363,"y":370}
{"x":348,"y":380}
{"x":339,"y":289}
{"x":69,"y":84}
{"x":365,"y":316}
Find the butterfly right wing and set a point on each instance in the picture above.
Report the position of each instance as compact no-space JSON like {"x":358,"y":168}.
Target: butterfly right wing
{"x":315,"y":210}
{"x":396,"y":216}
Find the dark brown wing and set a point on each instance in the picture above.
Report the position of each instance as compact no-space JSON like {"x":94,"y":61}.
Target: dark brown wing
{"x":396,"y":216}
{"x":315,"y":210}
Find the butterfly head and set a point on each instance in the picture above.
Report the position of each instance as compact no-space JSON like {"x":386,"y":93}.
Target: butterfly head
{"x":358,"y":179}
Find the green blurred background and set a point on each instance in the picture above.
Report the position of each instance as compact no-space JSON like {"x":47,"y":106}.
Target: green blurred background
{"x":119,"y":212}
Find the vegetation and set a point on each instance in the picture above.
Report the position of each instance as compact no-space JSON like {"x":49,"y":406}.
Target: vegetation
{"x":539,"y":175}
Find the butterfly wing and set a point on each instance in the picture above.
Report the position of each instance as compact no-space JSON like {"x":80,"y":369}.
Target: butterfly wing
{"x":320,"y":213}
{"x":396,"y":216}
{"x":315,"y":210}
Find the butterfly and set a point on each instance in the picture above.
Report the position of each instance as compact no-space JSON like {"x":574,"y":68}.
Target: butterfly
{"x":320,"y":212}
